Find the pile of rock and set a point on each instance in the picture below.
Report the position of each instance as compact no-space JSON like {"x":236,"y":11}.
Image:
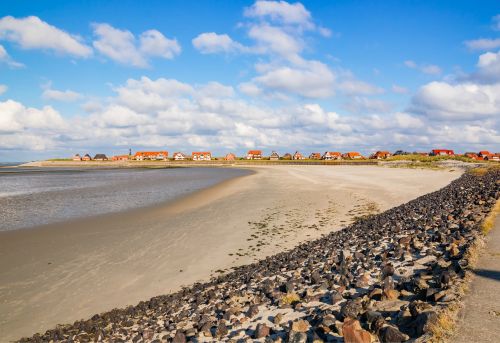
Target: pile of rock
{"x":384,"y":279}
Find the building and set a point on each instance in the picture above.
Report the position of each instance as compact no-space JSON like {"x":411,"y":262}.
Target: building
{"x":332,"y":155}
{"x":274,"y":156}
{"x":120,"y":158}
{"x":298,"y":156}
{"x":151,"y":155}
{"x":77,"y":157}
{"x":230,"y":157}
{"x":379,"y":155}
{"x":352,"y":155}
{"x":201,"y":156}
{"x":484,"y":153}
{"x":179,"y":156}
{"x":442,"y":152}
{"x":100,"y":157}
{"x":254,"y":155}
{"x":492,"y":157}
{"x":86,"y":158}
{"x":473,"y":156}
{"x":315,"y":156}
{"x":287,"y":156}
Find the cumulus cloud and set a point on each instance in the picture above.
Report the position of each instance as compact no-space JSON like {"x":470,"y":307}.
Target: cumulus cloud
{"x":488,"y":68}
{"x":122,"y":46}
{"x":211,"y":42}
{"x":58,"y":95}
{"x":5,"y":58}
{"x":483,"y":44}
{"x":363,"y":105}
{"x":33,"y":33}
{"x":281,"y":12}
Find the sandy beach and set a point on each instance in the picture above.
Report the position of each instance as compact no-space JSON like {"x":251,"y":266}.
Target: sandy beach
{"x":62,"y":272}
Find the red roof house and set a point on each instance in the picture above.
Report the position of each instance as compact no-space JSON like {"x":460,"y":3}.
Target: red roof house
{"x":201,"y":156}
{"x":352,"y":155}
{"x":254,"y":155}
{"x":230,"y":157}
{"x":120,"y":158}
{"x":332,"y":155}
{"x":442,"y":152}
{"x":298,"y":156}
{"x":379,"y":155}
{"x":315,"y":156}
{"x":151,"y":155}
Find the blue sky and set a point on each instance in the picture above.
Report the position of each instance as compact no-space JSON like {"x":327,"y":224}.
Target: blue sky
{"x":226,"y":76}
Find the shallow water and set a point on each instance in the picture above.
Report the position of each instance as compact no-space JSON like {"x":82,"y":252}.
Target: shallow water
{"x":31,"y":197}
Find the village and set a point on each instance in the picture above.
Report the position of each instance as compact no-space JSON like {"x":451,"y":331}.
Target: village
{"x":274,"y":156}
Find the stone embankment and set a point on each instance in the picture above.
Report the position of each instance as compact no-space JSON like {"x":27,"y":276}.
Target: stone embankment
{"x":386,"y":278}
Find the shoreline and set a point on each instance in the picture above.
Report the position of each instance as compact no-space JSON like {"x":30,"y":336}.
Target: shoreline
{"x":102,"y":263}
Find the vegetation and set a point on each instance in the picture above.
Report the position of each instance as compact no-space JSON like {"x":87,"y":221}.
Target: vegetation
{"x":429,"y":159}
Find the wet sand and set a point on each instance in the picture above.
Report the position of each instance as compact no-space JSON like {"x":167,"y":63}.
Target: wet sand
{"x":63,"y":272}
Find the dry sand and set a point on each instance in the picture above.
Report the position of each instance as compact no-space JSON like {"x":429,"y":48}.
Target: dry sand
{"x":63,"y":272}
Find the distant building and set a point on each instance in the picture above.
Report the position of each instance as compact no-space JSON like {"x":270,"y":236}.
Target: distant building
{"x":352,"y":155}
{"x":379,"y":155}
{"x":274,"y":156}
{"x":100,"y":157}
{"x":86,"y":158}
{"x":179,"y":156}
{"x":287,"y":156}
{"x":484,"y":153}
{"x":151,"y":155}
{"x":201,"y":156}
{"x":230,"y":157}
{"x":298,"y":156}
{"x":254,"y":155}
{"x":315,"y":156}
{"x":77,"y":157}
{"x":492,"y":157}
{"x":442,"y":152}
{"x":332,"y":155}
{"x":401,"y":152}
{"x":120,"y":158}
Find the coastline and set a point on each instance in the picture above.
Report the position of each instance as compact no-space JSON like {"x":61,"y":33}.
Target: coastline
{"x":105,"y":262}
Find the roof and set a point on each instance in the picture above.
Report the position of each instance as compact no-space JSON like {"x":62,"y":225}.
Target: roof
{"x":201,"y":153}
{"x":254,"y":152}
{"x":150,"y":153}
{"x":353,"y":153}
{"x":178,"y":152}
{"x":100,"y":156}
{"x":334,"y":153}
{"x":484,"y":152}
{"x":383,"y":152}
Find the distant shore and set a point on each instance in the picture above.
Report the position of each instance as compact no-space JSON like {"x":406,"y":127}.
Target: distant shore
{"x":75,"y":269}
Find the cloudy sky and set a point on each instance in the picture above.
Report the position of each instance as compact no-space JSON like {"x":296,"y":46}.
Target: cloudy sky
{"x":224,"y":76}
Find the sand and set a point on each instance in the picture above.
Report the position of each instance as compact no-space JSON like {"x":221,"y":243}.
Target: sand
{"x":63,"y":272}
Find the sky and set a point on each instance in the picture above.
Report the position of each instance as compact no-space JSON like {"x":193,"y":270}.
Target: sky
{"x":229,"y":76}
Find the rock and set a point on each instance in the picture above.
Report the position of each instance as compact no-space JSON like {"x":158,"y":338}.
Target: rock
{"x":351,"y":309}
{"x":389,"y":305}
{"x":179,"y":337}
{"x":253,"y":310}
{"x":297,"y":337}
{"x":424,"y":321}
{"x":354,"y":333}
{"x":261,"y":331}
{"x":300,"y":326}
{"x":390,"y":294}
{"x":221,"y":330}
{"x":316,"y":277}
{"x":388,"y":270}
{"x":389,"y":334}
{"x":278,"y":318}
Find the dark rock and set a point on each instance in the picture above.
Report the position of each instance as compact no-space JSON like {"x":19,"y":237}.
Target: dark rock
{"x":389,"y":334}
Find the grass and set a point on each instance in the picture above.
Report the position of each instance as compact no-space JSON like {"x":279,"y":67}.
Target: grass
{"x":489,"y":221}
{"x":429,"y":159}
{"x":290,"y":299}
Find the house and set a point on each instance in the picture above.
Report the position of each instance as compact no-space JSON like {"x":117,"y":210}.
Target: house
{"x":287,"y":156}
{"x":254,"y":155}
{"x":100,"y":157}
{"x":151,"y":155}
{"x":77,"y":157}
{"x":179,"y":156}
{"x":332,"y":155}
{"x":315,"y":156}
{"x":86,"y":158}
{"x":484,"y":153}
{"x":473,"y":156}
{"x":230,"y":157}
{"x":201,"y":156}
{"x":298,"y":156}
{"x":379,"y":155}
{"x":492,"y":157}
{"x":120,"y":158}
{"x":274,"y":156}
{"x":352,"y":155}
{"x":442,"y":152}
{"x":401,"y":152}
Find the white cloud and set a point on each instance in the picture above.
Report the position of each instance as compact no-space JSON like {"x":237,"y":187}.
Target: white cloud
{"x":5,"y":58}
{"x":488,"y":68}
{"x":352,"y":86}
{"x":3,"y":89}
{"x":430,"y":69}
{"x":154,"y":43}
{"x":271,"y":39}
{"x":281,"y":12}
{"x":311,"y":79}
{"x":464,"y":101}
{"x":410,"y":64}
{"x":64,"y":96}
{"x":363,"y":105}
{"x":211,"y":42}
{"x":33,"y":33}
{"x":123,"y":47}
{"x":483,"y":44}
